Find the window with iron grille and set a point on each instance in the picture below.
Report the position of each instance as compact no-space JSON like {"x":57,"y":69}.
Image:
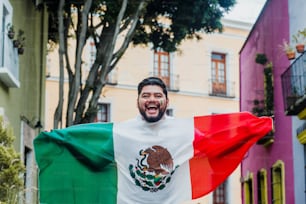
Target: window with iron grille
{"x":218,"y":73}
{"x":103,"y":113}
{"x":219,"y":195}
{"x":161,"y":66}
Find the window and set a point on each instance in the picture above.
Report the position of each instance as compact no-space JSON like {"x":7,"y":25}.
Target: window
{"x":9,"y":65}
{"x":103,"y":114}
{"x":218,"y":73}
{"x":277,"y":176}
{"x":219,"y":195}
{"x":262,"y":187}
{"x":169,"y":112}
{"x":162,"y":66}
{"x":30,"y":181}
{"x":92,"y":53}
{"x":248,"y":189}
{"x":29,"y":176}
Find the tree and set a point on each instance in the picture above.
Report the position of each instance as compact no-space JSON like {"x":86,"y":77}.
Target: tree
{"x":103,"y":21}
{"x":11,"y":167}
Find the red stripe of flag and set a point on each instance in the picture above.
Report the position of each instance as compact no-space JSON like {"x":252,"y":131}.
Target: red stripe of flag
{"x":220,"y":142}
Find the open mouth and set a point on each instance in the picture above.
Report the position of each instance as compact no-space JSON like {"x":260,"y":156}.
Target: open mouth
{"x":152,"y":109}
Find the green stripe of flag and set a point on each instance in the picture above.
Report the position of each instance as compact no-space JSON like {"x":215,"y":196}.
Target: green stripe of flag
{"x":63,"y":177}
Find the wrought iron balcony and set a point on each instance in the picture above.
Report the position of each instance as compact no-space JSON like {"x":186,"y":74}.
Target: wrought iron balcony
{"x":221,"y":88}
{"x":294,"y":86}
{"x":172,"y":81}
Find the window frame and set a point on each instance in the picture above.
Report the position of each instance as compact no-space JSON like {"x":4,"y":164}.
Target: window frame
{"x":278,"y":182}
{"x":9,"y":61}
{"x":218,"y":73}
{"x":248,"y":188}
{"x":220,"y":194}
{"x":106,"y":112}
{"x":162,"y":65}
{"x":262,"y":187}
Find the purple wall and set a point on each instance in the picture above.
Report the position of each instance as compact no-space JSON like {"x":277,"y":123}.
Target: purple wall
{"x":269,"y":31}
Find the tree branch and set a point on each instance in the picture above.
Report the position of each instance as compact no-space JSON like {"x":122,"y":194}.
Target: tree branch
{"x":59,"y":109}
{"x":129,"y":35}
{"x":78,"y":63}
{"x":105,"y":66}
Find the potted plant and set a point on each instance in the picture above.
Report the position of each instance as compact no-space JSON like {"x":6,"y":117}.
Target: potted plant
{"x":20,"y":41}
{"x":10,"y":31}
{"x":261,"y":58}
{"x":288,"y":49}
{"x":258,"y":108}
{"x":303,"y":33}
{"x":298,"y":39}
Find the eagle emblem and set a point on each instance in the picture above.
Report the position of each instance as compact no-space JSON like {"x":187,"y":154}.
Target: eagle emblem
{"x":153,"y":169}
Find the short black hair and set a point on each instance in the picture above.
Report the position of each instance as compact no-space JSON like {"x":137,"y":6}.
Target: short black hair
{"x":152,"y":81}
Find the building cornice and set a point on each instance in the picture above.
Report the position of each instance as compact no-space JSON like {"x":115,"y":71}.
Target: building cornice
{"x":237,"y":24}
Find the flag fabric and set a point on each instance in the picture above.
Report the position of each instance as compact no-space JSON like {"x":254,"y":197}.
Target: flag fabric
{"x":135,"y":162}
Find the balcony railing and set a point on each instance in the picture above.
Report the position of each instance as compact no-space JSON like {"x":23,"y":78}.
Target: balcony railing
{"x":294,"y":86}
{"x":224,"y":89}
{"x":172,"y":82}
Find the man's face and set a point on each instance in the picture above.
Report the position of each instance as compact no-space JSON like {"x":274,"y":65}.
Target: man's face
{"x":152,"y":103}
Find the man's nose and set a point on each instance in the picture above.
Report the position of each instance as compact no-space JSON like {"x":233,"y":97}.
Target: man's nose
{"x":152,"y":98}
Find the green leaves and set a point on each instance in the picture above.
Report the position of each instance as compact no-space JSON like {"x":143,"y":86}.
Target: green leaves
{"x":164,"y":23}
{"x":168,"y":23}
{"x":11,"y":167}
{"x":112,"y":26}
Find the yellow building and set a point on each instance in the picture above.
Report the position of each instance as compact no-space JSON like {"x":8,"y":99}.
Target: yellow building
{"x":202,"y":79}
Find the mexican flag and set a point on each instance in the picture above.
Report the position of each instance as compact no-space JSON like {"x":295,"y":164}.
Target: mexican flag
{"x":135,"y":162}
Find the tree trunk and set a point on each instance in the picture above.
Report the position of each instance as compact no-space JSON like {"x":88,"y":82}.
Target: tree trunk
{"x":59,"y":109}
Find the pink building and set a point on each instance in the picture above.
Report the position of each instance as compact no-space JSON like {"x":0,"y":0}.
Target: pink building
{"x":273,"y":171}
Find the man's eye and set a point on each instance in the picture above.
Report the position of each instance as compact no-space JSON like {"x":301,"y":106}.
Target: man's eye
{"x":158,"y":95}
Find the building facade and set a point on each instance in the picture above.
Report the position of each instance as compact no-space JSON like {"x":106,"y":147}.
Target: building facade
{"x":274,"y":170}
{"x":22,"y":78}
{"x":201,"y":79}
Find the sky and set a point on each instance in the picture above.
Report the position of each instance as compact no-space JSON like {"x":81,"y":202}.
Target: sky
{"x":246,"y":10}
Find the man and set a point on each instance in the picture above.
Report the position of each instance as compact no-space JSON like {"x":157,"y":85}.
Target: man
{"x":151,"y":159}
{"x":152,"y":99}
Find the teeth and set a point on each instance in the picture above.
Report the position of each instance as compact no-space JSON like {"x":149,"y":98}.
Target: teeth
{"x":152,"y":106}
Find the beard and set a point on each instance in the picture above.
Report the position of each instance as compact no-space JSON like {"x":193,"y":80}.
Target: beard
{"x":152,"y":119}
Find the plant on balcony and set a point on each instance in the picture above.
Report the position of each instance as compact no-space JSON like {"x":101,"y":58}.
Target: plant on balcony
{"x":269,"y":89}
{"x":258,"y":107}
{"x":299,"y":40}
{"x":288,"y":49}
{"x":10,"y":31}
{"x":265,"y":107}
{"x":19,"y":42}
{"x":261,"y":58}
